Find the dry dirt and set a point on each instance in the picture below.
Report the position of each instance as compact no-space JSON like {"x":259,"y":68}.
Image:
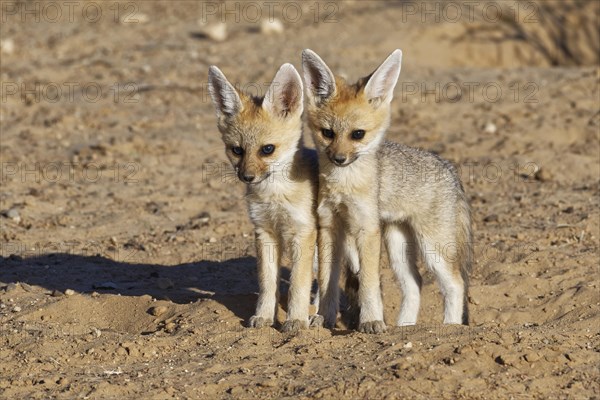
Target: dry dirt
{"x":116,"y":187}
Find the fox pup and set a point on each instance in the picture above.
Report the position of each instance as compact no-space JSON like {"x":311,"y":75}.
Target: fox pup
{"x":263,"y":141}
{"x":371,"y":189}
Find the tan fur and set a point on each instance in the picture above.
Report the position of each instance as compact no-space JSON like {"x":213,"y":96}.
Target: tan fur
{"x":415,"y":196}
{"x":282,"y":194}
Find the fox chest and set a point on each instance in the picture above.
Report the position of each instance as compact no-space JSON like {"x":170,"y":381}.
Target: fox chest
{"x":280,"y":214}
{"x":347,"y":201}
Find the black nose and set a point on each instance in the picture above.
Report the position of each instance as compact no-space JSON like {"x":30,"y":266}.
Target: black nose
{"x":339,"y":159}
{"x":247,"y":178}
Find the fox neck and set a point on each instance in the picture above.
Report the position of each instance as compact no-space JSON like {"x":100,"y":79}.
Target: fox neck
{"x":364,"y":167}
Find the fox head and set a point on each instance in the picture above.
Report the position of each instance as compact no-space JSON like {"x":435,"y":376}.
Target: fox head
{"x":348,"y":121}
{"x":261,"y":135}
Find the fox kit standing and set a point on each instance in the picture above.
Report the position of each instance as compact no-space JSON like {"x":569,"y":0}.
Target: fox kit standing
{"x":263,"y":140}
{"x":367,"y":184}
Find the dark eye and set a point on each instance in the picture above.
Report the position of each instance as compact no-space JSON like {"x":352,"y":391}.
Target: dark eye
{"x":267,"y":149}
{"x":328,"y":133}
{"x":358,"y":134}
{"x":237,"y":150}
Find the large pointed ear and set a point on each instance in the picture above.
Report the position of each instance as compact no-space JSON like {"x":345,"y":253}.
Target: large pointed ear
{"x":380,"y":86}
{"x":319,"y":79}
{"x":284,"y":96}
{"x":224,"y":96}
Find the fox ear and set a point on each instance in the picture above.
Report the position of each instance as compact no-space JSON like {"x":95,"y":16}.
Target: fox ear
{"x":224,"y":96}
{"x":284,"y":96}
{"x":319,"y":79}
{"x":380,"y":86}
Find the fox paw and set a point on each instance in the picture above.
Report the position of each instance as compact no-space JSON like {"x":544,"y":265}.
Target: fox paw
{"x":259,"y":322}
{"x":293,"y":325}
{"x":372,"y":327}
{"x":316,"y":321}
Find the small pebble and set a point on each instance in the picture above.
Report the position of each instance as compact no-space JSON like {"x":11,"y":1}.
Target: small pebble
{"x":16,"y":309}
{"x":204,"y":217}
{"x":216,"y":31}
{"x":273,"y":26}
{"x":26,"y":287}
{"x":13,"y":214}
{"x":57,"y":293}
{"x":158,"y":310}
{"x":490,"y":128}
{"x":10,"y":287}
{"x":69,"y":292}
{"x":7,"y":46}
{"x":491,"y":218}
{"x":543,"y":175}
{"x":408,"y":345}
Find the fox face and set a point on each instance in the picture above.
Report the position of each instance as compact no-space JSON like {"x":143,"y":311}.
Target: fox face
{"x":348,"y":120}
{"x":261,"y":135}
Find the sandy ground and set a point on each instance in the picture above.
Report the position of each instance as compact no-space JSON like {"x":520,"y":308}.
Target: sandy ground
{"x":128,"y":266}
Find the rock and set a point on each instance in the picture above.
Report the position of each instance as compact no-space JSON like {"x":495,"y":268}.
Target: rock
{"x":26,"y":287}
{"x":13,"y":214}
{"x":490,"y":128}
{"x":170,"y":327}
{"x":203,"y":218}
{"x":272,"y":26}
{"x":491,"y":218}
{"x":121,"y":351}
{"x":216,"y":31}
{"x":16,"y":309}
{"x":10,"y":287}
{"x":532,"y":357}
{"x":212,"y":240}
{"x":506,"y":359}
{"x":69,"y":292}
{"x":95,"y":295}
{"x":57,"y":293}
{"x":106,"y":286}
{"x":542,"y":175}
{"x":408,"y":345}
{"x":158,"y":310}
{"x":7,"y":46}
{"x":164,"y":283}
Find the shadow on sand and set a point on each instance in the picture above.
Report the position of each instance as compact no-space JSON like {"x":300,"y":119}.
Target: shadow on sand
{"x":232,"y":282}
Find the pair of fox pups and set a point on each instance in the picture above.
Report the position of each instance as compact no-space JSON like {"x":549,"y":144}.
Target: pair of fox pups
{"x":355,"y":191}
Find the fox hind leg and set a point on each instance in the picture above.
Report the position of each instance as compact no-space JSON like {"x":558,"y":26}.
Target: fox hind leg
{"x":440,"y":259}
{"x":400,"y":244}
